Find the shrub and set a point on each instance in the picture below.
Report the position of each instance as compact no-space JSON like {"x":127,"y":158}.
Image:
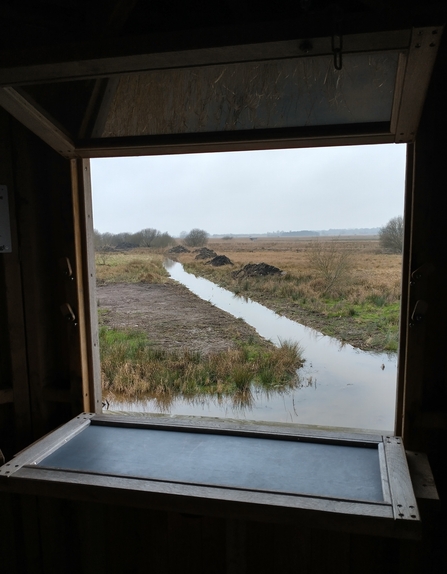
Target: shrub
{"x":332,"y":264}
{"x":196,"y":238}
{"x":392,"y":235}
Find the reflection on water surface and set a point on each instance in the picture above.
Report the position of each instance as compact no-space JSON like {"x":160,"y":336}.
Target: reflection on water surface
{"x":341,"y":386}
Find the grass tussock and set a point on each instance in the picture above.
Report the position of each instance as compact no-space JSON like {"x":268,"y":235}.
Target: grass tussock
{"x":132,"y":368}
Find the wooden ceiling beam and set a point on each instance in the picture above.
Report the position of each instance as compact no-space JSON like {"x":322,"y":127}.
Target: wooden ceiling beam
{"x":29,"y":113}
{"x":236,"y":141}
{"x":420,"y":61}
{"x":132,"y":55}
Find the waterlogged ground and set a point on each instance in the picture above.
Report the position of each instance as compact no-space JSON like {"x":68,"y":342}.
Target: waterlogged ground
{"x":339,"y":386}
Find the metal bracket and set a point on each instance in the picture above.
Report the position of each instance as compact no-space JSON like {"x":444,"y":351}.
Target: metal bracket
{"x":67,"y":312}
{"x":418,"y":313}
{"x":421,"y":272}
{"x":5,"y":226}
{"x":65,"y":267}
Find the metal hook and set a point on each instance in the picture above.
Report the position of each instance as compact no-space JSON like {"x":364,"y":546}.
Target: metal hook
{"x":337,"y":38}
{"x":337,"y":51}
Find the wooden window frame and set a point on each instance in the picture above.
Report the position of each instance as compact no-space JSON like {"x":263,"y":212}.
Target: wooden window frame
{"x":86,"y":263}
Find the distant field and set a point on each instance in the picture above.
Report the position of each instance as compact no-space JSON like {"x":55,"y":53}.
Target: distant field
{"x":371,"y":268}
{"x":360,"y":306}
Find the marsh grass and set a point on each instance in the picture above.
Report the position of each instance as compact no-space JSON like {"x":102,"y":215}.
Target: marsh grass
{"x":139,"y":265}
{"x":347,"y":280}
{"x":133,"y":368}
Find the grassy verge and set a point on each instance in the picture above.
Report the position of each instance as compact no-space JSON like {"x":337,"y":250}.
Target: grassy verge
{"x":134,"y":267}
{"x":133,"y":368}
{"x":358,"y":313}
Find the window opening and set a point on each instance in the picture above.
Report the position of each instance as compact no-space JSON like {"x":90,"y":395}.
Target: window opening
{"x":316,"y":216}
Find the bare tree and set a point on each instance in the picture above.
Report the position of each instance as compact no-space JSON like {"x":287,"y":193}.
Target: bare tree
{"x":196,"y":238}
{"x":332,"y":263}
{"x":163,"y":240}
{"x":148,"y":236}
{"x":103,"y":246}
{"x":154,"y":238}
{"x":106,"y":242}
{"x":97,"y":238}
{"x":392,"y":235}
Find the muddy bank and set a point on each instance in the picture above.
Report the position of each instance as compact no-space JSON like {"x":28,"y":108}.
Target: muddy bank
{"x":172,"y":317}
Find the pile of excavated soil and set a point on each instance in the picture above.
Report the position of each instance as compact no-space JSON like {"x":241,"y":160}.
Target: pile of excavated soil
{"x":205,"y":253}
{"x":178,"y":249}
{"x":219,"y":260}
{"x":256,"y":270}
{"x":172,"y":317}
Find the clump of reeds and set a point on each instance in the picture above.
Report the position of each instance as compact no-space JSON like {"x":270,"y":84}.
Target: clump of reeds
{"x":133,"y":368}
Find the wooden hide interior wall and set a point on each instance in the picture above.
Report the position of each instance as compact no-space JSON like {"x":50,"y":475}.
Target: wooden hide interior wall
{"x":41,"y":373}
{"x":103,"y":539}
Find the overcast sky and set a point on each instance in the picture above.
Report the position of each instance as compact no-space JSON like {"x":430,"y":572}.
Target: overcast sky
{"x":251,"y":192}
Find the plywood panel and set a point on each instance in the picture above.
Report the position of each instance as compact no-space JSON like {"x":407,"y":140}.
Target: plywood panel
{"x":276,"y":94}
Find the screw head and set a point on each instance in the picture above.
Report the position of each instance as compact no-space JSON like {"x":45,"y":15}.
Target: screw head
{"x":306,"y":46}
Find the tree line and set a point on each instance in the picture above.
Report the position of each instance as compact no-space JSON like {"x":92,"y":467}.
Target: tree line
{"x":144,"y":238}
{"x":148,"y":237}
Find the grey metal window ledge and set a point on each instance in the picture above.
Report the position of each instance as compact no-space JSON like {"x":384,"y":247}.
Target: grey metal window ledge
{"x":351,"y":482}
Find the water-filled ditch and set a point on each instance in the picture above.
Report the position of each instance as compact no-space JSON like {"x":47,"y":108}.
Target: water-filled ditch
{"x":341,"y":386}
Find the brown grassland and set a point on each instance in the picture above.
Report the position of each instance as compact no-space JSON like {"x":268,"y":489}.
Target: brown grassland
{"x":360,"y":306}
